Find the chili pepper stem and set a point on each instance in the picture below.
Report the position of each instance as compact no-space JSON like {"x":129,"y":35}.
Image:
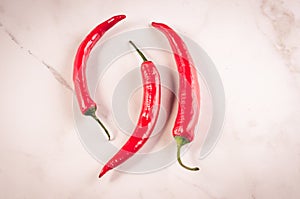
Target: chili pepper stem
{"x":99,"y":122}
{"x":92,"y":112}
{"x":180,"y":142}
{"x":139,"y":52}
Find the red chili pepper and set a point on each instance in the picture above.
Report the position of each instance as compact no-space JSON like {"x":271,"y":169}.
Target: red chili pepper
{"x":87,"y":105}
{"x":189,"y":91}
{"x":148,"y":115}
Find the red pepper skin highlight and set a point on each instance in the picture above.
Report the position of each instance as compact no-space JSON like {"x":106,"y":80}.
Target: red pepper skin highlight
{"x":147,"y":118}
{"x":189,"y":91}
{"x":87,"y":105}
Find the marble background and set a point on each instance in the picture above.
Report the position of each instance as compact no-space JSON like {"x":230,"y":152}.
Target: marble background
{"x":255,"y":46}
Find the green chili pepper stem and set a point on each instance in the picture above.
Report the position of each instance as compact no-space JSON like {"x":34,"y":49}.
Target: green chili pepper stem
{"x":139,"y":52}
{"x":180,"y":142}
{"x":99,"y":122}
{"x":92,"y":112}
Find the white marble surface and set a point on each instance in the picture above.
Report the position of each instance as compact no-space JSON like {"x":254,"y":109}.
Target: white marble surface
{"x":255,"y":46}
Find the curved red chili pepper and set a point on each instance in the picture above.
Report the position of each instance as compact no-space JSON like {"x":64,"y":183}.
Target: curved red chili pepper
{"x":148,"y":115}
{"x":189,"y":91}
{"x":87,"y":105}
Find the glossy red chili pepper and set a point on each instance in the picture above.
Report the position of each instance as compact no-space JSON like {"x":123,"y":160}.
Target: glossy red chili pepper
{"x":189,"y":91}
{"x":148,"y":115}
{"x":87,"y":105}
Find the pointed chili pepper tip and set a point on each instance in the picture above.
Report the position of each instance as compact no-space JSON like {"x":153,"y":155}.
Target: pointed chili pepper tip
{"x":121,"y":16}
{"x":155,"y":24}
{"x":160,"y":26}
{"x":101,"y":173}
{"x":92,"y":112}
{"x":104,"y":170}
{"x":180,"y":142}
